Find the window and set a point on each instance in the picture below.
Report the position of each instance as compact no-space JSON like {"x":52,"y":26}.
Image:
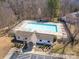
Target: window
{"x":48,"y":41}
{"x":25,"y":38}
{"x":40,"y":40}
{"x":18,"y":37}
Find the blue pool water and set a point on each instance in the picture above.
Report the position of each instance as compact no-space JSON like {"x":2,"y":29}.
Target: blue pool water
{"x":40,"y":26}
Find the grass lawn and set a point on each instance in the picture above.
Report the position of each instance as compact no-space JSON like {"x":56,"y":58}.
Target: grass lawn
{"x":58,"y":48}
{"x":5,"y":45}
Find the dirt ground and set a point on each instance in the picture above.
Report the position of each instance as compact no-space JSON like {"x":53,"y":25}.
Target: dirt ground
{"x":5,"y":45}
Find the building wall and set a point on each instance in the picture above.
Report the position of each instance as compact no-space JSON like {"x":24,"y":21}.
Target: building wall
{"x":23,"y":36}
{"x":35,"y":38}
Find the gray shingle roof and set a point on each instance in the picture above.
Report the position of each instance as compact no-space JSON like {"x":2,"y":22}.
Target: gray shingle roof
{"x":37,"y":56}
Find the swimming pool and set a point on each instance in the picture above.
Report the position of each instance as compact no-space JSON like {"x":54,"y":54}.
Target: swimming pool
{"x":41,"y":26}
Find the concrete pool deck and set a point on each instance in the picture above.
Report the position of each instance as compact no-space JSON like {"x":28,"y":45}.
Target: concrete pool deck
{"x":35,"y":26}
{"x":42,"y":27}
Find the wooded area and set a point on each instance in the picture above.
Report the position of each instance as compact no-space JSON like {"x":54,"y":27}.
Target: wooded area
{"x":15,"y":10}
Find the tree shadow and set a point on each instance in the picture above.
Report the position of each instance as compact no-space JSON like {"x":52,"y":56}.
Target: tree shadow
{"x":28,"y":47}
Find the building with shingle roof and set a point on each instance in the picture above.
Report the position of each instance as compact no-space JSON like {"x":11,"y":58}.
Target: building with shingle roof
{"x":39,"y":32}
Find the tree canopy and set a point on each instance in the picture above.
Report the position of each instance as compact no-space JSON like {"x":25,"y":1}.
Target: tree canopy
{"x":54,"y":8}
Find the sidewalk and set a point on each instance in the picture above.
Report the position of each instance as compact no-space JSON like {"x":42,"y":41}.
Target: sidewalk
{"x":10,"y":53}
